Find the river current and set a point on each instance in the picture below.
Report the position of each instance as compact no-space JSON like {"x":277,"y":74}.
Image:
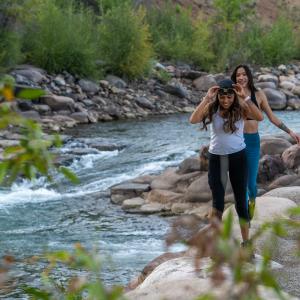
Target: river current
{"x":40,"y":216}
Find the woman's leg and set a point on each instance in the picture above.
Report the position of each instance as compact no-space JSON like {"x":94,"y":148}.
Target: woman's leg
{"x":215,"y":184}
{"x":252,"y":141}
{"x":238,"y":173}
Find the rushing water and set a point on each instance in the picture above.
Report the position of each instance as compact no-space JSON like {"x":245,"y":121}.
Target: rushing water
{"x":40,"y":216}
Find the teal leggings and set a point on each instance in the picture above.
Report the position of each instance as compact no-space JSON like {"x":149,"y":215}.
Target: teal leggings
{"x":252,"y":142}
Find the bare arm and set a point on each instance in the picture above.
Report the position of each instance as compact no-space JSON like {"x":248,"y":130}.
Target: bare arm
{"x":201,"y":110}
{"x":250,"y":109}
{"x":273,"y":119}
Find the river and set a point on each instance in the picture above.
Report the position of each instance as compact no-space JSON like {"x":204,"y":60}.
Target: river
{"x":40,"y":216}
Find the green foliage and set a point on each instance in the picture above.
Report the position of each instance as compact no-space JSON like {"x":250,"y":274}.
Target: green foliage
{"x":31,"y":157}
{"x":201,"y":52}
{"x":172,"y":32}
{"x":232,"y":12}
{"x":124,"y":41}
{"x":107,"y":5}
{"x":278,"y":43}
{"x":162,"y":75}
{"x":59,"y":39}
{"x":87,"y":286}
{"x":10,"y":49}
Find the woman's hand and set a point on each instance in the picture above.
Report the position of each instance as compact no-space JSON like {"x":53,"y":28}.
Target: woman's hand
{"x":295,"y":136}
{"x":239,"y":90}
{"x":212,"y":92}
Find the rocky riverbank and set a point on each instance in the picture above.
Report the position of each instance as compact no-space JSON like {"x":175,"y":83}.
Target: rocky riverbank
{"x":170,"y":89}
{"x":185,"y":189}
{"x":173,"y":275}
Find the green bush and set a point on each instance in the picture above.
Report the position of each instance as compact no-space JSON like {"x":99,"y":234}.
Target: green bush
{"x":201,"y":52}
{"x":278,"y":43}
{"x":172,"y":32}
{"x":10,"y":49}
{"x":125,"y":44}
{"x":60,"y":39}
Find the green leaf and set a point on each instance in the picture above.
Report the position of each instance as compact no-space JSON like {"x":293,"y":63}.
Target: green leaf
{"x":3,"y":170}
{"x":69,"y":174}
{"x":36,"y":293}
{"x":28,"y":93}
{"x":227,"y":227}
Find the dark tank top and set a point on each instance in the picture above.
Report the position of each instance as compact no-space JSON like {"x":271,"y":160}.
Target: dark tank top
{"x":253,"y":99}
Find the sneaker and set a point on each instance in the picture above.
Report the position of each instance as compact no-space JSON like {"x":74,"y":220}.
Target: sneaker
{"x":251,"y":208}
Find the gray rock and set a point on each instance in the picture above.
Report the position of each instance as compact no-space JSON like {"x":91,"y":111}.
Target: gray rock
{"x":116,"y":81}
{"x":276,"y":99}
{"x":31,"y":114}
{"x":294,"y":103}
{"x":58,"y":102}
{"x":176,"y":90}
{"x":266,"y":84}
{"x":88,"y":86}
{"x":144,"y":102}
{"x":268,"y":77}
{"x":291,"y":157}
{"x":80,"y":117}
{"x":34,"y":74}
{"x":269,"y":167}
{"x":204,"y":82}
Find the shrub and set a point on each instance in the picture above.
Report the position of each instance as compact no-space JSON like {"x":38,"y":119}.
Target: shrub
{"x":172,"y":32}
{"x":278,"y":43}
{"x":60,"y":39}
{"x":201,"y":52}
{"x":125,"y":41}
{"x":10,"y":49}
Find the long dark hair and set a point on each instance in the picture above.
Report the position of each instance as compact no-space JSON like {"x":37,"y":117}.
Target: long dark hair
{"x":232,"y":115}
{"x":251,"y":86}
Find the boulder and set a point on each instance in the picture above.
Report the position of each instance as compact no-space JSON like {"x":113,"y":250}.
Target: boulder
{"x":88,"y":86}
{"x":285,"y":180}
{"x":268,"y":77}
{"x":270,"y":166}
{"x":292,"y":192}
{"x":266,"y":84}
{"x":190,"y":164}
{"x":291,"y":157}
{"x":176,"y":279}
{"x":176,"y":90}
{"x":198,"y":190}
{"x":58,"y":102}
{"x":273,"y":146}
{"x":204,"y":82}
{"x":163,"y":197}
{"x":276,"y":99}
{"x":294,"y":103}
{"x":127,"y":190}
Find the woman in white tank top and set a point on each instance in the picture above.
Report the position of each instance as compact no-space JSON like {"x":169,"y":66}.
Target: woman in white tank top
{"x":225,"y":107}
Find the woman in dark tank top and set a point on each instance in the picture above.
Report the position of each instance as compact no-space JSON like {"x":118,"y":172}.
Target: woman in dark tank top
{"x":243,"y":76}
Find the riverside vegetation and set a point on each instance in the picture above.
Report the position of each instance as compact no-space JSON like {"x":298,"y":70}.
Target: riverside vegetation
{"x":123,"y":40}
{"x":123,"y":37}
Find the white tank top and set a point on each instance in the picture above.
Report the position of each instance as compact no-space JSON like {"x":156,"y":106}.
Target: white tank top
{"x":222,"y":143}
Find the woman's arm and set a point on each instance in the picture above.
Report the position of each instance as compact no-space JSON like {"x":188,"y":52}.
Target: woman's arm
{"x":273,"y":119}
{"x":250,"y":109}
{"x":201,"y":110}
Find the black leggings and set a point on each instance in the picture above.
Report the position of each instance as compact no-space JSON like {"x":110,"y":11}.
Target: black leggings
{"x":237,"y":167}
